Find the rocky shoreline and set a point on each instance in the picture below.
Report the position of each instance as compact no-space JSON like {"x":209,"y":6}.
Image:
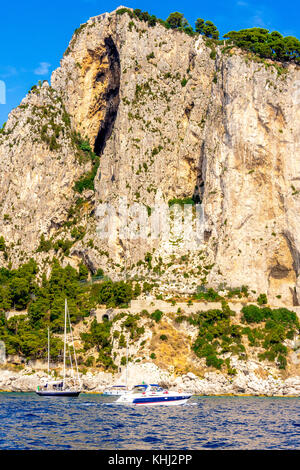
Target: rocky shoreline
{"x":245,"y":383}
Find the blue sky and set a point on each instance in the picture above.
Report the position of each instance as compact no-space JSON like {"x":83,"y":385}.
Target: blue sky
{"x":35,"y":34}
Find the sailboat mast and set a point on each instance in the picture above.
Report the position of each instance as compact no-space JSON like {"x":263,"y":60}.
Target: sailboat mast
{"x":74,"y":350}
{"x":65,"y":341}
{"x":127,"y":364}
{"x":48,"y":351}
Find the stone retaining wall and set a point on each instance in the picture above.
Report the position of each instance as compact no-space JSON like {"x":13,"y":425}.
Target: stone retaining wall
{"x":14,"y":313}
{"x":136,"y":306}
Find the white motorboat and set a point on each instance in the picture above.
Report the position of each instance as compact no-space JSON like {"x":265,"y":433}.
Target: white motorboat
{"x":152,"y":394}
{"x":115,"y":391}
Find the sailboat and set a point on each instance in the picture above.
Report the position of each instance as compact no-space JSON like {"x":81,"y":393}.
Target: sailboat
{"x":66,"y":387}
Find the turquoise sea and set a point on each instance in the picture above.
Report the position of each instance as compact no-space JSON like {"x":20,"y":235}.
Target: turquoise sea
{"x":92,"y":422}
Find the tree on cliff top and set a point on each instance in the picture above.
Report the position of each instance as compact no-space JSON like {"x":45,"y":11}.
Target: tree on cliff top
{"x":268,"y":45}
{"x":208,"y":29}
{"x":176,"y":20}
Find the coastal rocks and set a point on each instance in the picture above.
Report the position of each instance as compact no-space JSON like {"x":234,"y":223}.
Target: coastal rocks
{"x":97,"y":382}
{"x":212,"y":383}
{"x":18,"y":382}
{"x":25,"y":383}
{"x":291,"y":386}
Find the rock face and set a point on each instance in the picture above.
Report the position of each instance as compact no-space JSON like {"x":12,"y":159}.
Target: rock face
{"x":37,"y":171}
{"x":170,"y":118}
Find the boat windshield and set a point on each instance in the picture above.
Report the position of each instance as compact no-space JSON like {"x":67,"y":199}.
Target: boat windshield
{"x":156,"y":388}
{"x":139,"y":389}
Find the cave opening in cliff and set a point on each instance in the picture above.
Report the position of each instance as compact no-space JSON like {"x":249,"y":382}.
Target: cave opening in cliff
{"x":111,"y":97}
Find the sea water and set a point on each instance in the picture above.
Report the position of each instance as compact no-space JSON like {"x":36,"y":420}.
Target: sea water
{"x":92,"y":422}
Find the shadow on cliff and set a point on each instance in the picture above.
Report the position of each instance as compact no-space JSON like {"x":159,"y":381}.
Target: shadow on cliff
{"x":111,"y":97}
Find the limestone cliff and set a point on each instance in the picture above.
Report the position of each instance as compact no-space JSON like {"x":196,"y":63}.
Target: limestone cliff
{"x":169,"y":118}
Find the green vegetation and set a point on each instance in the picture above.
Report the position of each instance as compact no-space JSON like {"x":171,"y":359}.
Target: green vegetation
{"x":20,"y":338}
{"x":2,"y":244}
{"x":239,"y":292}
{"x":86,"y":154}
{"x":175,"y":20}
{"x":262,"y":299}
{"x":157,"y":315}
{"x":181,"y":202}
{"x":131,"y":324}
{"x":183,"y":82}
{"x":150,"y":56}
{"x":210,"y":295}
{"x":74,"y":37}
{"x":260,"y":41}
{"x":2,"y":128}
{"x":274,"y":327}
{"x":114,"y":294}
{"x":63,"y":245}
{"x":207,"y":28}
{"x":265,"y":44}
{"x":51,"y":121}
{"x":99,"y":337}
{"x":19,"y":290}
{"x":218,"y":335}
{"x":45,"y":245}
{"x":262,"y":328}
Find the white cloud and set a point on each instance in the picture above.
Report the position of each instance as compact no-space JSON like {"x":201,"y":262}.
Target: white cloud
{"x":42,"y":69}
{"x":240,"y":3}
{"x":8,"y":71}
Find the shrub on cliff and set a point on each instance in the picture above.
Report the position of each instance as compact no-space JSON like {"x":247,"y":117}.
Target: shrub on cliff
{"x":252,"y":314}
{"x":157,"y":315}
{"x":210,"y":295}
{"x":262,"y":299}
{"x":85,"y":154}
{"x":2,"y":244}
{"x":45,"y":245}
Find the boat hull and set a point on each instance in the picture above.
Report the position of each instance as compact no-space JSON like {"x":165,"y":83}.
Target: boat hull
{"x":163,"y":403}
{"x":156,"y":401}
{"x":62,"y":393}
